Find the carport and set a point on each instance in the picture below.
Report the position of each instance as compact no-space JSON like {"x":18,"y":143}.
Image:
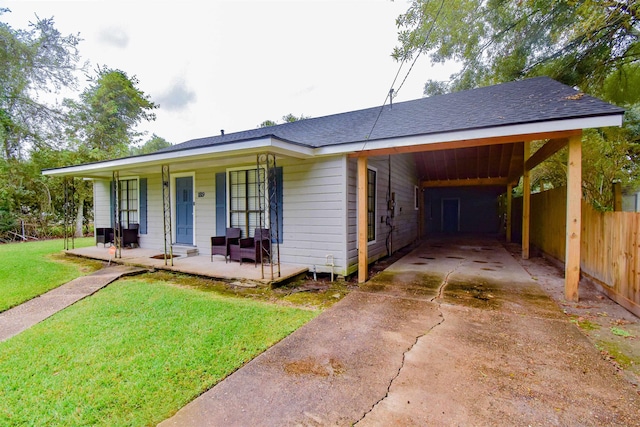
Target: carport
{"x":483,"y":138}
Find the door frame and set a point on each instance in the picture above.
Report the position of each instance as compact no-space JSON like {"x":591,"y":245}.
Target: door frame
{"x":457,"y":200}
{"x":174,"y":230}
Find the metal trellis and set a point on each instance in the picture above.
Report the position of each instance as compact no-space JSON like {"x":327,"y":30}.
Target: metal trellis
{"x":166,"y":208}
{"x":69,"y":213}
{"x":117,"y":230}
{"x":268,"y":210}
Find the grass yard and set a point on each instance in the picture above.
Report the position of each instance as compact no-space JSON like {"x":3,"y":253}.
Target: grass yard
{"x":28,"y":269}
{"x":133,"y":354}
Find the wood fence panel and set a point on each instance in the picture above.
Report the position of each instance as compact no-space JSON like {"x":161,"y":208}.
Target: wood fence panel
{"x":548,"y":217}
{"x":610,"y":244}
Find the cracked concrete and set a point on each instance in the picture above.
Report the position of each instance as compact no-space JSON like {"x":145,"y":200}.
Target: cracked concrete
{"x":435,"y":299}
{"x":384,"y":355}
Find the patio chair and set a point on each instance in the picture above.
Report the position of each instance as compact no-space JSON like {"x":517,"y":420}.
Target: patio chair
{"x":220,"y":244}
{"x":104,"y":235}
{"x":255,"y":248}
{"x":130,"y":235}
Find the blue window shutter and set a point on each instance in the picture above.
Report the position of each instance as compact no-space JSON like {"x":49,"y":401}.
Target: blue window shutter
{"x":278,"y":205}
{"x":221,"y":203}
{"x":143,"y":206}
{"x":112,"y":206}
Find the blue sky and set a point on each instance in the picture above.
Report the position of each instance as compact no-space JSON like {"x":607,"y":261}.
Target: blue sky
{"x":231,"y":65}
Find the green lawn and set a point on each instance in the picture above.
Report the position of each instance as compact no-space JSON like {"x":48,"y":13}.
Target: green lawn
{"x":133,"y":354}
{"x":27,"y":269}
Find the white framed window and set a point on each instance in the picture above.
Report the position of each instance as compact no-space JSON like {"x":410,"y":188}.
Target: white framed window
{"x":371,"y":204}
{"x":129,"y":202}
{"x":245,"y":206}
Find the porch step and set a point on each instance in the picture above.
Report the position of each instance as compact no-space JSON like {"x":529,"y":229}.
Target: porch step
{"x":185,"y":251}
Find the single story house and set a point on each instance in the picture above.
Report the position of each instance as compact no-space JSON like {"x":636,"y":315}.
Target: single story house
{"x":354,"y":186}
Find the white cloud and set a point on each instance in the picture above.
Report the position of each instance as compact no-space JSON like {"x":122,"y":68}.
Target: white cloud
{"x":114,"y":36}
{"x":177,"y":97}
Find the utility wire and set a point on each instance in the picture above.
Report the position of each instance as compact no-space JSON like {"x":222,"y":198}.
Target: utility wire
{"x":391,"y":93}
{"x":426,"y":39}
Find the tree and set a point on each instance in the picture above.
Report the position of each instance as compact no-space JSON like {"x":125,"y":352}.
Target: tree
{"x":267,"y":123}
{"x":151,"y":146}
{"x":102,"y":124}
{"x":34,"y":61}
{"x":289,"y":118}
{"x":590,"y":44}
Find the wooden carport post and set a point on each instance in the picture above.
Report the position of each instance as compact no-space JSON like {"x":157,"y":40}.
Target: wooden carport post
{"x":574,"y":218}
{"x":526,"y":201}
{"x":509,"y":210}
{"x":363,"y":265}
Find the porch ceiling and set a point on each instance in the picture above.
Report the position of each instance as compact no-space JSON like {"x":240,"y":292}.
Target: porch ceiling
{"x":495,"y":164}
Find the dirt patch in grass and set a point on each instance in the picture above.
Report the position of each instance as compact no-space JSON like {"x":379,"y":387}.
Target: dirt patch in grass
{"x":306,"y":293}
{"x":85,"y":265}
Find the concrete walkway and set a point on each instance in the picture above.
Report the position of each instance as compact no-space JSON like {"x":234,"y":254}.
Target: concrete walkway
{"x":24,"y":316}
{"x":455,"y":333}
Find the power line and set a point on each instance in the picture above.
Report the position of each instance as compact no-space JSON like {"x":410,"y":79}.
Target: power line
{"x":426,"y":39}
{"x":392,"y":93}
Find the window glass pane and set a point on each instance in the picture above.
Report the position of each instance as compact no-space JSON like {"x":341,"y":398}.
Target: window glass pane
{"x":244,"y":206}
{"x":371,"y":205}
{"x":128,"y":202}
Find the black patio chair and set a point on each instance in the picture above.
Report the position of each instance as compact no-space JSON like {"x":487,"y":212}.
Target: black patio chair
{"x":220,"y":244}
{"x":128,"y":236}
{"x":104,"y":235}
{"x":255,"y":248}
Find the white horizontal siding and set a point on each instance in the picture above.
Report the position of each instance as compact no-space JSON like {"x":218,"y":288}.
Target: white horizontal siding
{"x":314,"y":220}
{"x":314,"y":211}
{"x":405,"y":221}
{"x":154,"y":239}
{"x":101,"y":203}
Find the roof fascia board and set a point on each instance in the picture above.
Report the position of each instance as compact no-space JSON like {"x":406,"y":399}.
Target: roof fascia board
{"x":243,"y":147}
{"x":471,"y":134}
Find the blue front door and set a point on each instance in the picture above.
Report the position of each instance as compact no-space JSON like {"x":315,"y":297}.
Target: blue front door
{"x":184,"y":210}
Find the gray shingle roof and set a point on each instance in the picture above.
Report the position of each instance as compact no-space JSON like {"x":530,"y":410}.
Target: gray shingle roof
{"x":521,"y":102}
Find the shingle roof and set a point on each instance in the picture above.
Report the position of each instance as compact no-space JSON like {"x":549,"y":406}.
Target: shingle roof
{"x":521,"y":102}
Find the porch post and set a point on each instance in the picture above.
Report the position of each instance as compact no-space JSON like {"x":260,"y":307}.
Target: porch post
{"x":574,"y":218}
{"x":117,"y":229}
{"x":363,"y":254}
{"x":526,"y":202}
{"x":509,"y":201}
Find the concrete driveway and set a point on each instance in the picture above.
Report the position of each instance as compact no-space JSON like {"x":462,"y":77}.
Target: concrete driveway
{"x":455,"y":333}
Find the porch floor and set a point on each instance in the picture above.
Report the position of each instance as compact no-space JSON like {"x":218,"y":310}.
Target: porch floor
{"x":200,"y":265}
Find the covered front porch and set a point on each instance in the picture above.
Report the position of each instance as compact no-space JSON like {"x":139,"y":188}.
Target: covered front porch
{"x":200,"y":265}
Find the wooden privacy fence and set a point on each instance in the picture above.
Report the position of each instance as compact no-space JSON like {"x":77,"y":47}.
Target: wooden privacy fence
{"x":610,"y":243}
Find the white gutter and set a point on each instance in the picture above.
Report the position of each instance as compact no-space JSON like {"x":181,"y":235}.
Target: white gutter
{"x":471,"y":134}
{"x":216,"y":151}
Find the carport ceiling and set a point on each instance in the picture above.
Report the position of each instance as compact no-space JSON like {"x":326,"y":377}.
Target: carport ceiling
{"x":497,"y":164}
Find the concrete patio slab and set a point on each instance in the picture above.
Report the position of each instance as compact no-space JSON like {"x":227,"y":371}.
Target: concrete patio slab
{"x":200,"y":265}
